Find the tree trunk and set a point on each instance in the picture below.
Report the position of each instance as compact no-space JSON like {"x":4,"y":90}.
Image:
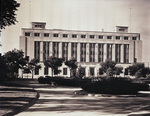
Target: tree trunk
{"x":22,"y":74}
{"x":32,"y":74}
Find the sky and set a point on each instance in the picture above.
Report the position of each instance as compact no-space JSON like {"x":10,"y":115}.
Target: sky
{"x":87,"y":15}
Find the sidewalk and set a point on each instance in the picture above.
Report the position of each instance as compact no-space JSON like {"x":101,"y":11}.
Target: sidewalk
{"x":15,"y":98}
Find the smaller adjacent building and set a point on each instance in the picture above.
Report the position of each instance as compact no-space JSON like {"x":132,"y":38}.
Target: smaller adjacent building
{"x":89,"y":48}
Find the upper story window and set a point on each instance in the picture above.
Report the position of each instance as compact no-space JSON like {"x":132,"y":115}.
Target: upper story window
{"x":134,"y":38}
{"x":74,"y":35}
{"x":27,"y":33}
{"x":46,"y":34}
{"x":83,"y":36}
{"x":121,"y":29}
{"x":55,"y":35}
{"x":100,"y":37}
{"x":37,"y":34}
{"x":65,"y":35}
{"x":38,"y":26}
{"x":118,"y":37}
{"x":109,"y":37}
{"x":126,"y":38}
{"x":92,"y":36}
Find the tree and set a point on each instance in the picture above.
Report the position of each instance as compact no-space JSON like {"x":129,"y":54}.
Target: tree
{"x":138,"y":70}
{"x":54,"y":63}
{"x":32,"y":65}
{"x":14,"y":60}
{"x":72,"y":64}
{"x":110,"y":69}
{"x":7,"y":12}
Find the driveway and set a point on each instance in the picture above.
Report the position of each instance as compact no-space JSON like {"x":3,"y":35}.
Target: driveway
{"x":62,"y":101}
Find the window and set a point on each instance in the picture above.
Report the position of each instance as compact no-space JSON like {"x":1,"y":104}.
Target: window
{"x":38,"y":25}
{"x":46,"y":34}
{"x":92,"y":71}
{"x":100,"y":37}
{"x":133,"y":38}
{"x":65,"y":35}
{"x":36,"y":34}
{"x":27,"y":33}
{"x":121,"y":29}
{"x":83,"y":36}
{"x":46,"y":71}
{"x":36,"y":71}
{"x":109,"y":37}
{"x":118,"y":37}
{"x":74,"y":35}
{"x":64,"y":71}
{"x":125,"y":38}
{"x":92,"y":36}
{"x":55,"y":35}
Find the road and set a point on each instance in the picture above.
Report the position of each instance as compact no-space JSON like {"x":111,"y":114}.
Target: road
{"x":62,"y":101}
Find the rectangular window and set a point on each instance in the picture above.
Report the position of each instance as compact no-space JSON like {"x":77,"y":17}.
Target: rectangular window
{"x":46,"y":50}
{"x":65,"y":35}
{"x":38,"y":25}
{"x":92,"y":36}
{"x":37,"y":50}
{"x":100,"y":52}
{"x":74,"y":35}
{"x":65,"y":50}
{"x":109,"y":37}
{"x":45,"y":70}
{"x":121,"y":29}
{"x":55,"y":49}
{"x":46,"y":34}
{"x":126,"y":53}
{"x":64,"y":71}
{"x":36,"y":71}
{"x":83,"y":36}
{"x":83,"y":52}
{"x":55,"y":35}
{"x":92,"y":52}
{"x":92,"y":71}
{"x":100,"y":37}
{"x":74,"y":50}
{"x":37,"y":34}
{"x":118,"y":37}
{"x":125,"y":38}
{"x":117,"y":53}
{"x":27,"y":33}
{"x":133,"y":38}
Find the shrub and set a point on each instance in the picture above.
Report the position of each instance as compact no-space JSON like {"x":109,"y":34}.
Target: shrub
{"x":114,"y":86}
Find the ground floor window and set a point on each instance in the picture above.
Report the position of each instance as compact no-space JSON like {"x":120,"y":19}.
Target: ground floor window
{"x":36,"y":71}
{"x":64,"y":71}
{"x":92,"y":71}
{"x":46,"y":71}
{"x":126,"y":71}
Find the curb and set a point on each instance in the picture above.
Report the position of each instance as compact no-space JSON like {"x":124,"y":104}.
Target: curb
{"x":26,"y":105}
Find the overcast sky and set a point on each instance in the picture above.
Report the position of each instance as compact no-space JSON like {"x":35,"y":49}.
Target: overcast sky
{"x":88,"y":15}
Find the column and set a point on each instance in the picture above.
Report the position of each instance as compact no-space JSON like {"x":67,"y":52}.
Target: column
{"x":51,"y":49}
{"x":78,"y":52}
{"x":60,"y":49}
{"x":105,"y":52}
{"x":69,"y":50}
{"x":122,"y":53}
{"x":113,"y":52}
{"x":87,"y":52}
{"x":96,"y":52}
{"x":41,"y":51}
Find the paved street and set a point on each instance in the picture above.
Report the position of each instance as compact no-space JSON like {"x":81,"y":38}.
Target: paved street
{"x":62,"y":101}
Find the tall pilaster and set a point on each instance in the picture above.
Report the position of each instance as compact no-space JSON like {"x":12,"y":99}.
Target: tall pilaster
{"x":51,"y":49}
{"x":41,"y":51}
{"x":60,"y":49}
{"x":87,"y":52}
{"x":78,"y":52}
{"x":69,"y":50}
{"x":113,"y":52}
{"x":96,"y":52}
{"x":122,"y":53}
{"x":105,"y":52}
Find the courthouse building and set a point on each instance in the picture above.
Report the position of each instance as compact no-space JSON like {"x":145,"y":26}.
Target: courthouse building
{"x":89,"y":48}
